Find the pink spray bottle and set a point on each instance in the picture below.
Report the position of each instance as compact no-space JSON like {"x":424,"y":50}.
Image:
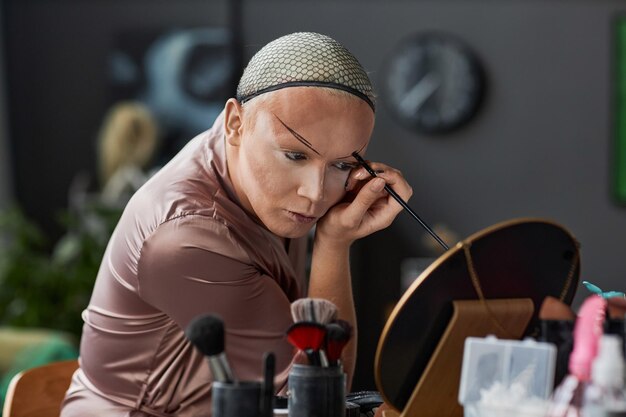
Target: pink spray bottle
{"x":569,"y":397}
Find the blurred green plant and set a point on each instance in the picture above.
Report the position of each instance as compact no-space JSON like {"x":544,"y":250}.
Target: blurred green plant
{"x":47,"y":288}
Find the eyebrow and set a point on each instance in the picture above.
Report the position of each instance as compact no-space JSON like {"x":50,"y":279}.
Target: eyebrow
{"x":350,"y":156}
{"x":298,"y":136}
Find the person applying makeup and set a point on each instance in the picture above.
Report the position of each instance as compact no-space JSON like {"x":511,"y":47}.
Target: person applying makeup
{"x":222,"y":229}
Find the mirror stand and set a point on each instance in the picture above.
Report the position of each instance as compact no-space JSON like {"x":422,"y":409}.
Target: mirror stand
{"x":436,"y":393}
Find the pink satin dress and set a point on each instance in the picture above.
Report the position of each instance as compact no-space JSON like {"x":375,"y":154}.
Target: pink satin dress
{"x":183,"y":247}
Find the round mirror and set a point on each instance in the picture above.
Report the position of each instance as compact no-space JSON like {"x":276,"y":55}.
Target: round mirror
{"x":524,"y":258}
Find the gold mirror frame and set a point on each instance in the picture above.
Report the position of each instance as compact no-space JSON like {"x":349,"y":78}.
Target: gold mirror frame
{"x":526,"y":243}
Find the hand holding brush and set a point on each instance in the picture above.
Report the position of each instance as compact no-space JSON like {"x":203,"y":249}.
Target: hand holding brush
{"x":400,"y":201}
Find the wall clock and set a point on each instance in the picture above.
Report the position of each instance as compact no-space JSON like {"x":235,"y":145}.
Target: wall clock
{"x":432,"y":83}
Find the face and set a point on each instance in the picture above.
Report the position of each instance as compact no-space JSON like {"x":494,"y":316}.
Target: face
{"x":289,"y":154}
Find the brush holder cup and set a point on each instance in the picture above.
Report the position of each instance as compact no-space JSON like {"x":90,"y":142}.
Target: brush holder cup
{"x":241,"y":399}
{"x":316,"y":392}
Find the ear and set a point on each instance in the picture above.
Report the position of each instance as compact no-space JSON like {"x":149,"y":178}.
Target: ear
{"x":233,"y":122}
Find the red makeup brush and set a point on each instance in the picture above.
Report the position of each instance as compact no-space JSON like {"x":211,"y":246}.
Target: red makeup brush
{"x":338,"y":335}
{"x":308,"y":337}
{"x":317,"y":310}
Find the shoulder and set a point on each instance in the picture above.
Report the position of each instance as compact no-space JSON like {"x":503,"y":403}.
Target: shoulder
{"x":194,"y":234}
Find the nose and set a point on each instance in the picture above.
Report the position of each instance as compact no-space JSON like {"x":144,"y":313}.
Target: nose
{"x":312,"y":184}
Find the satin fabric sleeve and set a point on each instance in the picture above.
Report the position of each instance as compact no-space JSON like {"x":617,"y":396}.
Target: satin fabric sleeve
{"x":193,"y":265}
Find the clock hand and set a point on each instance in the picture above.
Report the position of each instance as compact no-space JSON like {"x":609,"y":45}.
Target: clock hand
{"x":420,"y":92}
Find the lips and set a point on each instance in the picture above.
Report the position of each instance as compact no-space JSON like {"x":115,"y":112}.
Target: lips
{"x":301,"y":218}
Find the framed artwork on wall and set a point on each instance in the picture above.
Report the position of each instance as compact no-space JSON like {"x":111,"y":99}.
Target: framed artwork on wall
{"x":182,"y":76}
{"x":63,"y":78}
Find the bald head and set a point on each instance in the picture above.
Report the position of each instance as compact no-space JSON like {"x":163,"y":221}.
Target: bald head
{"x":304,"y":59}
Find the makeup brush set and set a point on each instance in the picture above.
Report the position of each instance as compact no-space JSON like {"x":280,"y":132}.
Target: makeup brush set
{"x":318,"y":332}
{"x":231,"y":397}
{"x":315,"y":389}
{"x":319,"y":387}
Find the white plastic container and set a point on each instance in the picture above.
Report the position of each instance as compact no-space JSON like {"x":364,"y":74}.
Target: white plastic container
{"x":606,"y":396}
{"x":506,"y":377}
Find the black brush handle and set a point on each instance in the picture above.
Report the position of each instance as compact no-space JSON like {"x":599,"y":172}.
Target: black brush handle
{"x":267,"y":396}
{"x":314,"y":357}
{"x":400,"y":201}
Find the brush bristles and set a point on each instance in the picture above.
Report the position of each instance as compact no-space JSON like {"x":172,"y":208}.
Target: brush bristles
{"x":335,"y":332}
{"x":337,"y":337}
{"x":347,"y":327}
{"x":316,"y":310}
{"x":306,"y":335}
{"x":206,"y":332}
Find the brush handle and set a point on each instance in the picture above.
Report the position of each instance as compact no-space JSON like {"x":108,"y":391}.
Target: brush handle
{"x":400,"y":201}
{"x":314,"y":357}
{"x":323,"y":359}
{"x":220,"y":368}
{"x":267,"y":396}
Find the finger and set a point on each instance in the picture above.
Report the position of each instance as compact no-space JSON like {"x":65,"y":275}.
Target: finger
{"x":383,"y":170}
{"x":395,"y":181}
{"x":360,"y":173}
{"x":357,"y":174}
{"x":367,"y":196}
{"x":398,"y":183}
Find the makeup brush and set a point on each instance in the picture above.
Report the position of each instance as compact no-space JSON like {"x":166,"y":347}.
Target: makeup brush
{"x":309,"y":337}
{"x":317,"y":310}
{"x":206,"y":332}
{"x":400,"y":201}
{"x":267,"y":396}
{"x":337,"y":337}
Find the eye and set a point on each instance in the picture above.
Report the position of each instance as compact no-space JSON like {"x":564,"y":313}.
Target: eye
{"x":344,"y":166}
{"x":295,"y":156}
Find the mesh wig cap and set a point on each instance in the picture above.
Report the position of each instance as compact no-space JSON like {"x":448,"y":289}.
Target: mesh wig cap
{"x":304,"y":59}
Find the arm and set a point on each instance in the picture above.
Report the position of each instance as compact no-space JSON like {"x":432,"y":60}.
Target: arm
{"x":330,"y":279}
{"x":372,"y":209}
{"x":191,"y":266}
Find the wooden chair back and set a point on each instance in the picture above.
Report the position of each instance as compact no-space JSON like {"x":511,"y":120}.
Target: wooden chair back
{"x":38,"y":392}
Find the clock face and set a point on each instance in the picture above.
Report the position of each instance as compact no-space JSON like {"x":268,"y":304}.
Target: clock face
{"x":432,"y":83}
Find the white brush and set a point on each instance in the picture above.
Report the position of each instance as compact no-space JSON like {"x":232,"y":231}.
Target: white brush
{"x":317,"y":310}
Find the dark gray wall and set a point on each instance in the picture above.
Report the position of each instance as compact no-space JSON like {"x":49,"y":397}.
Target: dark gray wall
{"x":5,"y":171}
{"x":540,"y":147}
{"x":58,"y":86}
